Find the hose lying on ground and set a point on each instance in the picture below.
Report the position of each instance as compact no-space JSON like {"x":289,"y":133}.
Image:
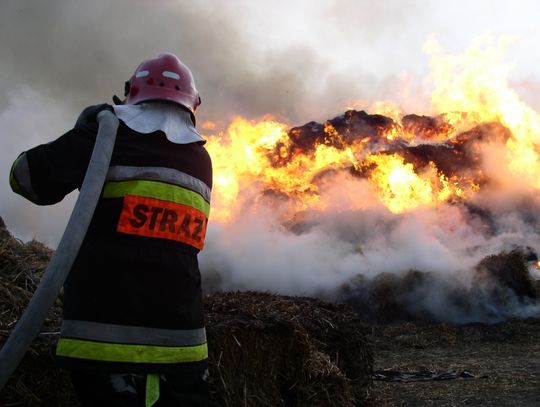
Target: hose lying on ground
{"x":58,"y":269}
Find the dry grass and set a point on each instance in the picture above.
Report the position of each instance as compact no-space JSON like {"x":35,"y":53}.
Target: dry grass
{"x":502,"y":358}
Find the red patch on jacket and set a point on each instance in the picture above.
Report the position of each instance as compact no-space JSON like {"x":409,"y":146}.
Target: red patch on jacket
{"x":151,"y":217}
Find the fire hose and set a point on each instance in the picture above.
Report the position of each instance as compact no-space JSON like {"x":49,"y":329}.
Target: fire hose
{"x":30,"y":323}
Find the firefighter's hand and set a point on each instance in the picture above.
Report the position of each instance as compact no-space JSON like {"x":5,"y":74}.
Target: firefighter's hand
{"x":89,"y":115}
{"x":117,"y":100}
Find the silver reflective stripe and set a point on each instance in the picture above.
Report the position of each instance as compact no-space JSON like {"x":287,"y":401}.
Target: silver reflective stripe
{"x":169,"y":74}
{"x":142,"y":74}
{"x":125,"y":334}
{"x":21,"y":172}
{"x":169,"y":175}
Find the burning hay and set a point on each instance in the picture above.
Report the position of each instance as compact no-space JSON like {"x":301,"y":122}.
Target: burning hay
{"x":265,"y":350}
{"x":418,"y":140}
{"x":367,"y":207}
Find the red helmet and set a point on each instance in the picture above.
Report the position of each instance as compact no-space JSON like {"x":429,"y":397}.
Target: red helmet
{"x":163,"y":78}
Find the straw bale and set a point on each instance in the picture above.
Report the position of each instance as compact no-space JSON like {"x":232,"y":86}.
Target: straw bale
{"x":37,"y":381}
{"x":507,"y":272}
{"x":270,"y":350}
{"x":499,"y":284}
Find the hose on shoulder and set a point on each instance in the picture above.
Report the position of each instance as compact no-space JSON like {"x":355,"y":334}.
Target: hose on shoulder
{"x":30,"y":323}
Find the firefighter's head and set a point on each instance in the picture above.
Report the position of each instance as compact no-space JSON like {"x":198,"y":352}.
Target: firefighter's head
{"x":163,"y":78}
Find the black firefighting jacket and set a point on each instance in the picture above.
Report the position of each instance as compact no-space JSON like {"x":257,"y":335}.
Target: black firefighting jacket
{"x":132,"y":300}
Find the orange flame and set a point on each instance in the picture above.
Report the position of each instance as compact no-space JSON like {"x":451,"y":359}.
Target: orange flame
{"x":244,"y":158}
{"x":401,"y":188}
{"x":252,"y":157}
{"x":476,"y":82}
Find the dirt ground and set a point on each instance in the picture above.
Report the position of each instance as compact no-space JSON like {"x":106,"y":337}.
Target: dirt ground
{"x":495,"y":365}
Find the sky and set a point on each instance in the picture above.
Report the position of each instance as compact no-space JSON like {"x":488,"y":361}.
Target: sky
{"x":296,"y":60}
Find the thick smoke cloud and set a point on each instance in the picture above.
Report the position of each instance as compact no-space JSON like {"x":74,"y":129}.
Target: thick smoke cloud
{"x":347,"y":254}
{"x":80,"y":52}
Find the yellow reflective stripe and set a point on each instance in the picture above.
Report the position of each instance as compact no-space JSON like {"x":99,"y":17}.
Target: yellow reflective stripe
{"x":13,"y":181}
{"x":162,"y":174}
{"x":152,"y":389}
{"x":19,"y":179}
{"x":157,"y":190}
{"x":115,"y":352}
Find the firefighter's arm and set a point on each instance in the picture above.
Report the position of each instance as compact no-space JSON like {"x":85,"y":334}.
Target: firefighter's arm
{"x":47,"y":173}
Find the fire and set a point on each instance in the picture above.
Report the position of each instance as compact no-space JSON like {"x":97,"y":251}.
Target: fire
{"x":476,"y":83}
{"x":239,"y":157}
{"x":245,"y":157}
{"x":401,"y":188}
{"x":409,"y":161}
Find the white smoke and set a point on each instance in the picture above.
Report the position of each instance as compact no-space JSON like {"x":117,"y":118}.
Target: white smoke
{"x":258,"y":253}
{"x":28,"y":120}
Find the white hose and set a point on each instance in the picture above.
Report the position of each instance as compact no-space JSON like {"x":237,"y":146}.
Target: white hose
{"x":47,"y":291}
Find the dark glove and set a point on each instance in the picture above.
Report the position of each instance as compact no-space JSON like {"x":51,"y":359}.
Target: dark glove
{"x":117,"y":100}
{"x":89,"y":115}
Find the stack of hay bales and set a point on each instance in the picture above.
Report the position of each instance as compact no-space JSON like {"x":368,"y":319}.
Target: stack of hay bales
{"x":265,"y":350}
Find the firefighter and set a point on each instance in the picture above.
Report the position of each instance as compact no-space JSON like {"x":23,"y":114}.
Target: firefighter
{"x":133,"y":331}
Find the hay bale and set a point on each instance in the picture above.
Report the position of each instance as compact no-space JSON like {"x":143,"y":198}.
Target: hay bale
{"x":270,"y":350}
{"x":504,"y":275}
{"x":500,"y":287}
{"x":37,"y":381}
{"x":386,"y":297}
